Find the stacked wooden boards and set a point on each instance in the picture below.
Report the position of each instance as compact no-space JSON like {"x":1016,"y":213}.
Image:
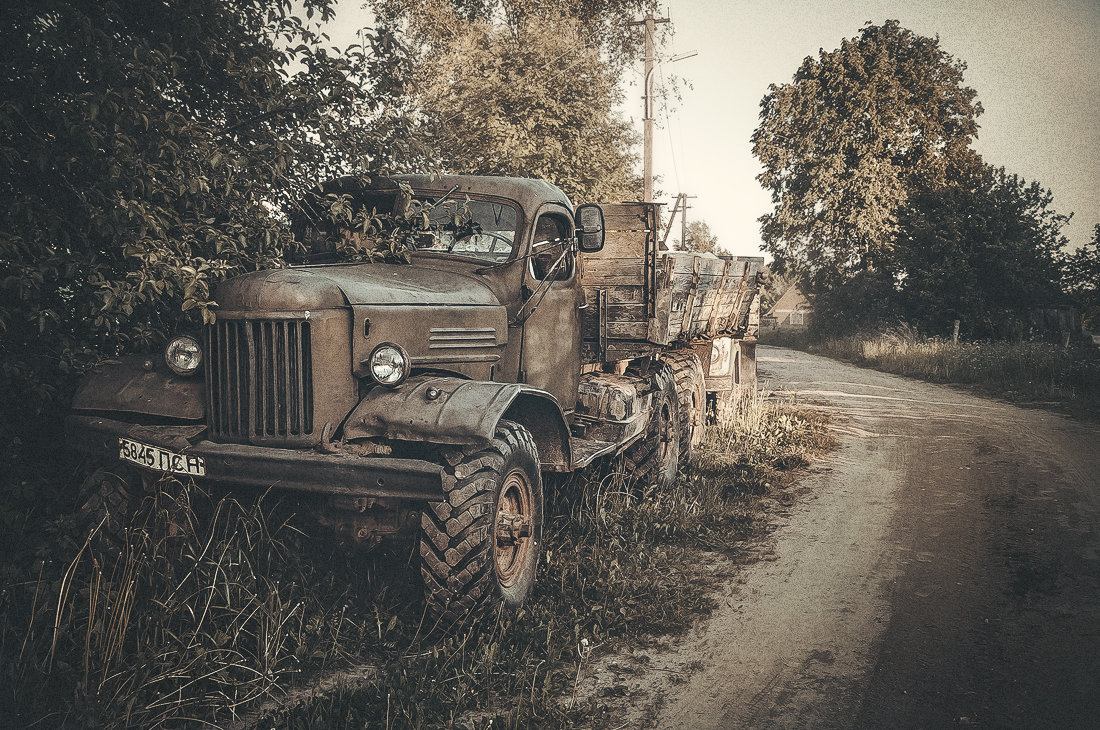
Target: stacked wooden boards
{"x":639,"y":299}
{"x":702,"y":295}
{"x":619,"y":283}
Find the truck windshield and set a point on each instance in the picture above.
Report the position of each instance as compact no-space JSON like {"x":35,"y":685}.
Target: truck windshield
{"x":478,"y":229}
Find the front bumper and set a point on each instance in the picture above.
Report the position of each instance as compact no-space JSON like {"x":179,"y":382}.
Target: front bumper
{"x":264,"y":467}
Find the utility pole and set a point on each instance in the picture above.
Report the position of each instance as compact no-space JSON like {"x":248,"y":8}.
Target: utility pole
{"x":681,"y":206}
{"x":650,"y":24}
{"x":684,"y":223}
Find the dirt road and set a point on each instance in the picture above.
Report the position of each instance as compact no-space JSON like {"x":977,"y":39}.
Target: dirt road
{"x":942,"y":569}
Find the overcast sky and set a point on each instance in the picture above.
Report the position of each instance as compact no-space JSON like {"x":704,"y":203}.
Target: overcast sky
{"x":1035,"y":66}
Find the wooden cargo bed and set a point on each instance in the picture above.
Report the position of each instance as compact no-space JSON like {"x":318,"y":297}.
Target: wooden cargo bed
{"x":639,"y":299}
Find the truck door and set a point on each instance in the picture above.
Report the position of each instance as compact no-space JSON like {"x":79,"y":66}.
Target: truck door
{"x":550,"y":357}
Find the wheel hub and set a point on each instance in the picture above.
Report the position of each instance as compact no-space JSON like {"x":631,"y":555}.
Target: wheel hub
{"x":513,"y":527}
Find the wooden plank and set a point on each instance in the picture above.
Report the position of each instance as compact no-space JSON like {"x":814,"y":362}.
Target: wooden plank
{"x":615,"y":295}
{"x":613,"y":272}
{"x":659,"y":324}
{"x":627,"y":330}
{"x":621,"y":245}
{"x":615,"y":225}
{"x":616,"y":265}
{"x":615,"y":332}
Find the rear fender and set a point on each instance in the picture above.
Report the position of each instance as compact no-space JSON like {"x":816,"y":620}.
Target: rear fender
{"x":141,"y":385}
{"x":461,"y":413}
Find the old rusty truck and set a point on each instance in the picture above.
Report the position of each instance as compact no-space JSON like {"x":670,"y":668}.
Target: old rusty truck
{"x":427,"y":399}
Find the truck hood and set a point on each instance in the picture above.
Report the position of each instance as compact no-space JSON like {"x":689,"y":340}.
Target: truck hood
{"x":326,"y":287}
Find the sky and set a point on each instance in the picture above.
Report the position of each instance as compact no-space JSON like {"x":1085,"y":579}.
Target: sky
{"x":1035,"y":66}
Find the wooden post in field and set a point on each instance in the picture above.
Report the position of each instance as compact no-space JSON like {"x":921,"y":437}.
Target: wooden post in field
{"x":955,"y":334}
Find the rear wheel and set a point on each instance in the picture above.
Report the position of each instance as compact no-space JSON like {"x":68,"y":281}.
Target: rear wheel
{"x":691,"y":394}
{"x":481,"y":546}
{"x":652,"y":460}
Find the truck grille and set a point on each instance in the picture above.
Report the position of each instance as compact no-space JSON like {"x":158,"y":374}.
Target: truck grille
{"x":259,"y":378}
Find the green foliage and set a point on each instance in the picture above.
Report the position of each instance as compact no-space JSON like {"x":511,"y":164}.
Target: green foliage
{"x":847,"y":141}
{"x":207,"y":607}
{"x":145,"y":148}
{"x":883,"y":212}
{"x":983,"y":250}
{"x":603,"y":25}
{"x":772,"y":289}
{"x":526,"y":96}
{"x":1023,"y":371}
{"x":213,"y":605}
{"x":700,"y":238}
{"x":1081,"y":279}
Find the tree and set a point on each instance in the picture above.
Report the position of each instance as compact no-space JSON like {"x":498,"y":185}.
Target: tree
{"x":847,"y":141}
{"x":1081,"y":279}
{"x":700,"y":238}
{"x":983,"y":249}
{"x":524,"y":96}
{"x":145,"y":150}
{"x":602,"y":25}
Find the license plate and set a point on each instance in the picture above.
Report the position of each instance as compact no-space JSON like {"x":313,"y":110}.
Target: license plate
{"x":158,"y":459}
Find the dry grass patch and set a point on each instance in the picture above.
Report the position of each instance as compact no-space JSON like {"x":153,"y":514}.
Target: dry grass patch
{"x":211,"y":606}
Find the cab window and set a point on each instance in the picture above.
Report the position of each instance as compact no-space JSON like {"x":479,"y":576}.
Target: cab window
{"x":552,"y":254}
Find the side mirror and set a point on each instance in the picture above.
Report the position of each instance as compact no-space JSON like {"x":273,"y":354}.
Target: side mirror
{"x":589,"y":221}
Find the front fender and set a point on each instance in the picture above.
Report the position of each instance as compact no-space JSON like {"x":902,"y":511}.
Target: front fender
{"x":127,"y":386}
{"x":461,"y":412}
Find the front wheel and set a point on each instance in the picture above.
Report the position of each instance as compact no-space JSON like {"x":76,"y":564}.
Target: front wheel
{"x":106,"y":501}
{"x":481,"y":546}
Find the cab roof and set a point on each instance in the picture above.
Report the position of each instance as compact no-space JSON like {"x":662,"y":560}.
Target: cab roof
{"x":528,"y":193}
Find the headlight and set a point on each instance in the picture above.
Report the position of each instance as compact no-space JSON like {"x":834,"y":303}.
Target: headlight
{"x":183,"y":355}
{"x":389,"y":364}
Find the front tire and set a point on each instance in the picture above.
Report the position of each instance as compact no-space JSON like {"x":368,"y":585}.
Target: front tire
{"x":481,"y":546}
{"x":106,"y":501}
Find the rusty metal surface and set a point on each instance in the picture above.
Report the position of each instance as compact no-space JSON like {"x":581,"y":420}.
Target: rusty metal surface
{"x":327,"y":286}
{"x":551,"y":358}
{"x":128,"y":387}
{"x":451,"y":338}
{"x":266,"y":387}
{"x":459,"y":412}
{"x":528,"y":194}
{"x":262,"y":467}
{"x":286,"y":360}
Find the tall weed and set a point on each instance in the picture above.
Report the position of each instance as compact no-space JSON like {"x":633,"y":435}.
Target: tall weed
{"x":204,"y":607}
{"x":210,"y":606}
{"x":1026,"y":371}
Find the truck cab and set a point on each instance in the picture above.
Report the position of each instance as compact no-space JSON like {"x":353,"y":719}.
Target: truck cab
{"x":425,"y":389}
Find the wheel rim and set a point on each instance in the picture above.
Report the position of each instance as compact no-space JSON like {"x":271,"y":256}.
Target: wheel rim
{"x":668,"y":448}
{"x":513,"y":531}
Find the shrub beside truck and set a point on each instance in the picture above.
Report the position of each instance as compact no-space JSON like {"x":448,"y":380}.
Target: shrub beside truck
{"x":429,"y":398}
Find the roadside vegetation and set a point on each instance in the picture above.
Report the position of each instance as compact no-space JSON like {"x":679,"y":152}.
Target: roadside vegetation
{"x":1024,"y":371}
{"x":901,"y":235}
{"x":208,"y":607}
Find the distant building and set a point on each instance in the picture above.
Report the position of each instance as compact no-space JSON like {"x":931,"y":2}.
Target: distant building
{"x":790,"y":311}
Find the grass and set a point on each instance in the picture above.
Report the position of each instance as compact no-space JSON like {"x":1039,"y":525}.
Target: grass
{"x":212,"y":605}
{"x":1019,"y":371}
